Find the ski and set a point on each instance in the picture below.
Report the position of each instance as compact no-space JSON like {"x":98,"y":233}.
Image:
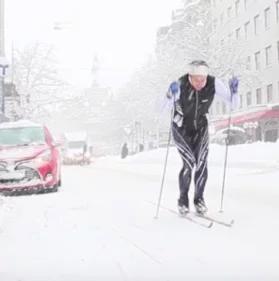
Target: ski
{"x":193,"y":219}
{"x":215,"y":220}
{"x":188,"y":217}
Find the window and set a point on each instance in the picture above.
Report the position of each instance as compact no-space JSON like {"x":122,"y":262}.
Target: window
{"x":277,"y":11}
{"x":257,"y":60}
{"x":237,"y":34}
{"x":22,"y":136}
{"x":249,"y":98}
{"x":246,"y":29}
{"x":267,"y":15}
{"x":218,"y":108}
{"x":256,"y":24}
{"x":259,"y":95}
{"x":248,"y":63}
{"x":269,"y":93}
{"x":224,"y":108}
{"x":236,"y":5}
{"x":268,"y":56}
{"x":214,"y":27}
{"x":229,"y":12}
{"x":222,"y":19}
{"x":245,"y":4}
{"x":240,"y":101}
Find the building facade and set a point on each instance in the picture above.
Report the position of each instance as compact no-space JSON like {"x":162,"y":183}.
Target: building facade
{"x":2,"y":43}
{"x":255,"y":25}
{"x":9,"y":97}
{"x":13,"y":110}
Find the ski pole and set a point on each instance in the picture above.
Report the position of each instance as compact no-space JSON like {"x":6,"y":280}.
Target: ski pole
{"x":165,"y":168}
{"x":225,"y":162}
{"x":233,"y":90}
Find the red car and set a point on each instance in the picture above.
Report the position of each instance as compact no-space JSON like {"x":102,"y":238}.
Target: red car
{"x":29,"y":158}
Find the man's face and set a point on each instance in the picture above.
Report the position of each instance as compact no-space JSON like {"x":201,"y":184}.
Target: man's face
{"x":198,"y":81}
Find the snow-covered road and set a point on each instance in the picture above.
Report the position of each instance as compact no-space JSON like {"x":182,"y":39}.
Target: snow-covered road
{"x":101,"y":226}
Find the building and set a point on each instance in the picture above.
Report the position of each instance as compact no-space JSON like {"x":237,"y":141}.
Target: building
{"x":9,"y":98}
{"x":2,"y":43}
{"x":13,"y":110}
{"x":2,"y":53}
{"x":255,"y":25}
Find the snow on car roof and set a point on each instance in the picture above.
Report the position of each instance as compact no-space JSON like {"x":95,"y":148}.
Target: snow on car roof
{"x":232,"y":128}
{"x":19,"y":124}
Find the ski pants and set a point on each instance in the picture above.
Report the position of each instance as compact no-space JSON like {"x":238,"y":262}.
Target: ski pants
{"x":193,"y":149}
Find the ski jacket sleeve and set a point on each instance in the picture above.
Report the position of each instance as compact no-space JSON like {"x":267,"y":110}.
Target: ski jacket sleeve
{"x":223,"y":91}
{"x":165,"y":102}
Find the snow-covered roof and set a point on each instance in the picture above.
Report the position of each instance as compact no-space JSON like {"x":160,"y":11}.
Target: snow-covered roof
{"x":19,"y":124}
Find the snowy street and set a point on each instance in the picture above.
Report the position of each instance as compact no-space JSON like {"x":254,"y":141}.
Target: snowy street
{"x":101,"y":226}
{"x":94,"y":95}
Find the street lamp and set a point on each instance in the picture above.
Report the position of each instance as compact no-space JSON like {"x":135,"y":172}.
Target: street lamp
{"x":4,"y":65}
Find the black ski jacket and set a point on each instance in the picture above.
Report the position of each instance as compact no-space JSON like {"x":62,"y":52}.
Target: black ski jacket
{"x":193,"y":105}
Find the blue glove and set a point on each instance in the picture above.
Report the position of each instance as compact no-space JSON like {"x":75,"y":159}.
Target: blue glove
{"x":174,"y":88}
{"x":233,"y":83}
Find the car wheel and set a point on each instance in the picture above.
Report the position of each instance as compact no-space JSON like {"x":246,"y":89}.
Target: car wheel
{"x":60,"y":181}
{"x":54,"y":189}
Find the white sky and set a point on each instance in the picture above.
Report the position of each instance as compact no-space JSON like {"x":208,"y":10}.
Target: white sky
{"x":122,"y":33}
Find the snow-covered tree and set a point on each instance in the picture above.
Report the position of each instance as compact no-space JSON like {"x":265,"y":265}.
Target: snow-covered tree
{"x":35,"y":74}
{"x":191,"y":35}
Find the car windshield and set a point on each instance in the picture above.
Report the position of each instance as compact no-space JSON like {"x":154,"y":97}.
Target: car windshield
{"x":76,"y":144}
{"x":22,"y":136}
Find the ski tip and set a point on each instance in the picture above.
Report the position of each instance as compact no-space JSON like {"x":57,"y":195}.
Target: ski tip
{"x":210,"y":225}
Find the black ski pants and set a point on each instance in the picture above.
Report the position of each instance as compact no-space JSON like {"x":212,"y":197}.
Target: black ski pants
{"x":193,"y":149}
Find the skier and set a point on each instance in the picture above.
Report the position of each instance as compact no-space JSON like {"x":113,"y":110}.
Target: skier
{"x":124,"y":150}
{"x":191,"y":97}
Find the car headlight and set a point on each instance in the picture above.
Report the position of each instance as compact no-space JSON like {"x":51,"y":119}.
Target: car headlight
{"x":43,"y":157}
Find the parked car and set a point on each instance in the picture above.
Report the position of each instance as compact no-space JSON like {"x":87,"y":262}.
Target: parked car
{"x":76,"y":149}
{"x":237,"y":135}
{"x":29,"y":158}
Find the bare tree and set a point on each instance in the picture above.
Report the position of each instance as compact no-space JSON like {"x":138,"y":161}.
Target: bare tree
{"x":35,"y":74}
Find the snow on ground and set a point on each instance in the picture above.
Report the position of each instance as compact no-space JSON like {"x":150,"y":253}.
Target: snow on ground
{"x":101,"y":226}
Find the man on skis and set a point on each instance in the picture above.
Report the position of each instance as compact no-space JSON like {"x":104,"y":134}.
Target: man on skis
{"x":192,"y":96}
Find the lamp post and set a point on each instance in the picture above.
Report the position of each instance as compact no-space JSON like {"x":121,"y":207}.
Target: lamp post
{"x":4,"y":65}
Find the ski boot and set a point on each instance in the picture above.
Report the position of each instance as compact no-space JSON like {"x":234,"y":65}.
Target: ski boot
{"x":200,"y":206}
{"x":183,"y":210}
